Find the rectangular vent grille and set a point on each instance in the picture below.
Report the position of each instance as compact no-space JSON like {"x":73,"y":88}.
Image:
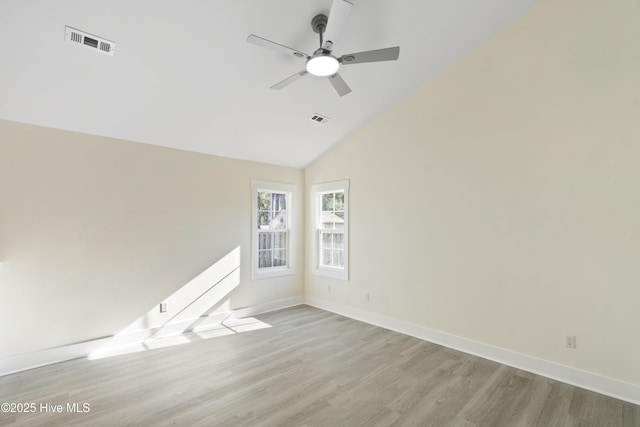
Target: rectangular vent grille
{"x":76,"y":37}
{"x":319,"y":119}
{"x":105,"y":47}
{"x":87,"y":40}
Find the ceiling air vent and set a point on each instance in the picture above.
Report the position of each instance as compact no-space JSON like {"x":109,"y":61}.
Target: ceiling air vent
{"x":88,"y":40}
{"x":319,"y":119}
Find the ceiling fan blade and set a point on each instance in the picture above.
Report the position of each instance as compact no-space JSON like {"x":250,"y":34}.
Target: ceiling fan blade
{"x":388,"y":54}
{"x":275,"y":46}
{"x":286,"y":82}
{"x":337,"y":18}
{"x":339,"y":85}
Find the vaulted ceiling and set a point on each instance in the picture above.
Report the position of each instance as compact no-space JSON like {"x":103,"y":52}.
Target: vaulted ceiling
{"x":184,"y":76}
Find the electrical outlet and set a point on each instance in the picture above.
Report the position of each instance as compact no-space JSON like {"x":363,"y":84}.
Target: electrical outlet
{"x":163,"y":307}
{"x":367,"y":297}
{"x":570,"y":341}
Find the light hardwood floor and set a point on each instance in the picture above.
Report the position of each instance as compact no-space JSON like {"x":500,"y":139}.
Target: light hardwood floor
{"x":310,"y":368}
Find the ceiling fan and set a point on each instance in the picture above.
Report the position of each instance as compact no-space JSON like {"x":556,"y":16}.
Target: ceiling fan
{"x":323,"y":62}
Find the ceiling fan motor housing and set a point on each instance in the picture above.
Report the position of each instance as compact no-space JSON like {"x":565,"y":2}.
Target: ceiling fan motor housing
{"x":319,"y":23}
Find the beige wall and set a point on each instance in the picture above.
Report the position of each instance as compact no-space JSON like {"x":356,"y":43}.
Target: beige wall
{"x":511,"y":182}
{"x":94,"y":232}
{"x":500,"y":202}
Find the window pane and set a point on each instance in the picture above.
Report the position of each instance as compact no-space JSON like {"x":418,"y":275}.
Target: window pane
{"x":326,"y":240}
{"x":264,"y":200}
{"x":338,"y":258}
{"x":265,"y":240}
{"x":327,"y":202}
{"x":326,"y":220}
{"x":325,"y":260}
{"x":279,"y":221}
{"x":264,"y":219}
{"x":338,"y":241}
{"x":280,"y":258}
{"x":279,"y":202}
{"x":280,"y":240}
{"x":339,"y":201}
{"x":264,"y":259}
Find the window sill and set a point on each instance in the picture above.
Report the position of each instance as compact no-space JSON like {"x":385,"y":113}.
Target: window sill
{"x":331,"y":273}
{"x":273,"y":273}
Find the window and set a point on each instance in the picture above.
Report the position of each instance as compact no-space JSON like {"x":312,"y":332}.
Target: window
{"x":331,"y":236}
{"x":273,"y":252}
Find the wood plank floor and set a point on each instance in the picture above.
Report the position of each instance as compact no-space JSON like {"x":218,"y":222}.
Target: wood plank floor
{"x":310,"y":368}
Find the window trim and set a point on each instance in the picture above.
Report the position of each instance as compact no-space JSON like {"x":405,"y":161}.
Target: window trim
{"x":286,"y":270}
{"x":316,"y":191}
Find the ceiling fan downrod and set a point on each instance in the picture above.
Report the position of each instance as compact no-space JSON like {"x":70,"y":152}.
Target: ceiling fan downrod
{"x":319,"y":25}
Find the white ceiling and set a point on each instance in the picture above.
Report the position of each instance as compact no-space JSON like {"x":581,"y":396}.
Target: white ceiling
{"x":183,"y":75}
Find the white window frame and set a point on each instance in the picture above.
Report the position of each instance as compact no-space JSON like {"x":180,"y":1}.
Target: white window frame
{"x":289,"y":268}
{"x":316,"y":206}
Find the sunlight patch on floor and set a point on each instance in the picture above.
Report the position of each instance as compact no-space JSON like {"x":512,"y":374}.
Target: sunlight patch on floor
{"x":155,"y":343}
{"x":225,"y":328}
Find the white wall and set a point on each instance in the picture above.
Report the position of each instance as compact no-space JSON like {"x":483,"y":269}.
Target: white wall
{"x":499,"y":202}
{"x":95,"y":232}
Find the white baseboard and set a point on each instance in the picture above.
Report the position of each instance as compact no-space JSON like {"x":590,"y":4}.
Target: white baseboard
{"x":266,"y":307}
{"x":50,"y":356}
{"x":577,"y":377}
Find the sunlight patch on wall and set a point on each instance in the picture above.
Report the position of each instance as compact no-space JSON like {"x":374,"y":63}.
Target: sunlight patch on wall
{"x":201,"y":304}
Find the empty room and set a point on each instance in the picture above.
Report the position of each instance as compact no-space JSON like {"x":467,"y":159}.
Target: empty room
{"x":320,"y":213}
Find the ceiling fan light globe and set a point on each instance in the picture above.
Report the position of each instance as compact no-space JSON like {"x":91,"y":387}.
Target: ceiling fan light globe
{"x":322,"y":65}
